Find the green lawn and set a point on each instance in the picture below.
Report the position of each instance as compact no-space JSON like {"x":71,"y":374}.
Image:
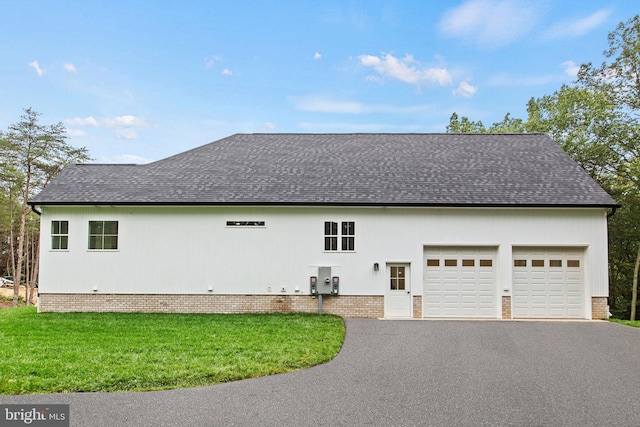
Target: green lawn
{"x":86,"y":352}
{"x":635,"y":323}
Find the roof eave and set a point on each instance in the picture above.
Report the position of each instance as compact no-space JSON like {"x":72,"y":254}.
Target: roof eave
{"x":337,"y":204}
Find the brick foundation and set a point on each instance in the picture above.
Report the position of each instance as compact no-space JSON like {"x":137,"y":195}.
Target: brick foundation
{"x":342,"y":305}
{"x":506,"y":307}
{"x":417,"y":306}
{"x":599,"y":308}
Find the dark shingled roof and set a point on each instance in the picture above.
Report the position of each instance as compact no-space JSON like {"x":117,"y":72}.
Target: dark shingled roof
{"x":342,"y":169}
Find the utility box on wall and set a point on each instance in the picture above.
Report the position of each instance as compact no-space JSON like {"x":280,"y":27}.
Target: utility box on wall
{"x":324,"y":283}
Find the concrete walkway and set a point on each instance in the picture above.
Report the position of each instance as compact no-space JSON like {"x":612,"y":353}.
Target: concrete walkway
{"x":412,"y":373}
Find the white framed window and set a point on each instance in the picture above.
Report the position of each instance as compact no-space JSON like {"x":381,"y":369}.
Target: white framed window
{"x":343,"y":233}
{"x":348,"y":236}
{"x":330,"y":236}
{"x":59,"y":235}
{"x":103,"y":235}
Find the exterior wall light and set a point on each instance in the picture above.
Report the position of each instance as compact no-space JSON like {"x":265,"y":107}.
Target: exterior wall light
{"x":376,"y":266}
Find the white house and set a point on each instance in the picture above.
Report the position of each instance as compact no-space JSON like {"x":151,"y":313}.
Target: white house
{"x":411,"y":225}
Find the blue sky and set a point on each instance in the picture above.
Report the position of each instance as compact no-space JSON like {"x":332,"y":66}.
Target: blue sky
{"x":139,"y":80}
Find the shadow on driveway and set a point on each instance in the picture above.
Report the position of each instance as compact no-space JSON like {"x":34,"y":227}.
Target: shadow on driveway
{"x":405,"y":373}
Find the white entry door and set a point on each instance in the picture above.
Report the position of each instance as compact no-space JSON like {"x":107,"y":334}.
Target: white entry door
{"x":397,"y":299}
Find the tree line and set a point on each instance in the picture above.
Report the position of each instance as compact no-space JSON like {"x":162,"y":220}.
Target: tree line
{"x":31,"y":155}
{"x":596,"y":120}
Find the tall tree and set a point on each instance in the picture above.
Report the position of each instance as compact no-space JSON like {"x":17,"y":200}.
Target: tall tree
{"x":619,"y":74}
{"x":586,"y":124}
{"x":508,"y":125}
{"x":618,"y":77}
{"x":34,"y":154}
{"x":8,"y":211}
{"x":464,"y":125}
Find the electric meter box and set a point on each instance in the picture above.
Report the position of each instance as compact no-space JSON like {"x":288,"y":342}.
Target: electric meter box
{"x":324,"y":283}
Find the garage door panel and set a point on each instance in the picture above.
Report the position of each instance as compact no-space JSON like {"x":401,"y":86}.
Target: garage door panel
{"x":486,"y":296}
{"x":546,"y":284}
{"x":459,"y":286}
{"x":557,"y":287}
{"x":537,"y":300}
{"x":574,"y":299}
{"x":556,"y":300}
{"x":469,"y":300}
{"x":535,"y":288}
{"x":574,"y":313}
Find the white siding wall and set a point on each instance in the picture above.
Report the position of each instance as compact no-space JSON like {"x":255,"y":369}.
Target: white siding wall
{"x":189,"y":249}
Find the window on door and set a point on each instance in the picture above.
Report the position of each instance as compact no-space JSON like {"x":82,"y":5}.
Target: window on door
{"x":397,"y":278}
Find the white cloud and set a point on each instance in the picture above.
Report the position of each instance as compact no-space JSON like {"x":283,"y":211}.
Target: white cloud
{"x":88,"y":121}
{"x":69,"y":67}
{"x":125,"y":127}
{"x":227,"y":72}
{"x":210,"y":61}
{"x":75,"y":133}
{"x":489,"y":23}
{"x":36,"y":67}
{"x":126,"y":133}
{"x":124,"y":121}
{"x":317,"y":55}
{"x":323,"y":104}
{"x":578,"y":27}
{"x":464,"y":89}
{"x":404,"y":70}
{"x":570,"y":68}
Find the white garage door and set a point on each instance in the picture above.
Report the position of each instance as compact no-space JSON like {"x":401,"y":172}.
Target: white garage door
{"x":459,"y":282}
{"x":548,"y":282}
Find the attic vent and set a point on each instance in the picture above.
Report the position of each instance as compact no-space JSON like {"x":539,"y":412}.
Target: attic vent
{"x":245,"y":224}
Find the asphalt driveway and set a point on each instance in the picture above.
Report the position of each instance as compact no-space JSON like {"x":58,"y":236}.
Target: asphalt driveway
{"x":406,"y":373}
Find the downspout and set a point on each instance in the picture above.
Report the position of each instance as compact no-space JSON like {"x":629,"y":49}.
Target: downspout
{"x":611,"y":213}
{"x":37,"y":212}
